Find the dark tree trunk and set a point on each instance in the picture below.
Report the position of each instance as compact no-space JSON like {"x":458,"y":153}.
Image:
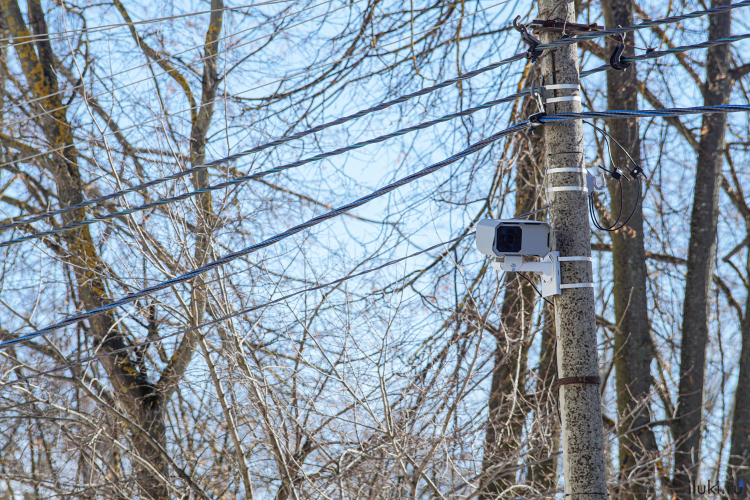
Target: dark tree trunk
{"x":632,"y":339}
{"x":509,"y":376}
{"x":738,"y":465}
{"x":543,"y":475}
{"x":701,"y":253}
{"x":141,"y":397}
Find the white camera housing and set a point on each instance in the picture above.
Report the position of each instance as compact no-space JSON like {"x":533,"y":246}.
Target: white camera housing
{"x":512,"y":237}
{"x":510,"y":240}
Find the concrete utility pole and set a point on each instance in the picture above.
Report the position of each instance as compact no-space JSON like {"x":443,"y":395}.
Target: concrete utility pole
{"x":575,"y":321}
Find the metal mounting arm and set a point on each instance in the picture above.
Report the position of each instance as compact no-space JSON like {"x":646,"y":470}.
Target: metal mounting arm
{"x":548,"y":269}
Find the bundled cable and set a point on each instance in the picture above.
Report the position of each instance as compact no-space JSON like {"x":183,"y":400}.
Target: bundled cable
{"x":257,"y":175}
{"x":262,"y":147}
{"x":675,"y":50}
{"x":274,"y":239}
{"x":387,"y":104}
{"x":242,"y":179}
{"x":518,"y":127}
{"x":248,"y":310}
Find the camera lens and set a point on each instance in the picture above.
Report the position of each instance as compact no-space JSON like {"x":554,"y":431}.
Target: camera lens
{"x":508,"y":239}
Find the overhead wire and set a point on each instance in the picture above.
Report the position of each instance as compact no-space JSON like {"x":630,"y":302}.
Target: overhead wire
{"x":593,"y":35}
{"x":223,"y":185}
{"x":645,"y":24}
{"x":203,"y":58}
{"x":106,"y":27}
{"x":261,"y":147}
{"x":237,"y":94}
{"x":248,"y":310}
{"x":278,"y":237}
{"x":674,"y":50}
{"x":181,"y":66}
{"x":568,"y":41}
{"x":562,"y":42}
{"x":520,"y":126}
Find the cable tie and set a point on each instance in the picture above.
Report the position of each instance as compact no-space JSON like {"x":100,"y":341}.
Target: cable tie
{"x":566,"y":188}
{"x":562,"y":86}
{"x":577,"y":285}
{"x":581,"y":170}
{"x":575,"y":258}
{"x":565,"y":98}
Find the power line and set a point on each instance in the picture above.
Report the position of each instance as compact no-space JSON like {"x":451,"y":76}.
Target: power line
{"x":520,"y":126}
{"x":646,"y":24}
{"x":559,"y":43}
{"x":250,"y":309}
{"x":239,"y":313}
{"x":562,"y":42}
{"x":674,"y":50}
{"x":304,"y":72}
{"x":186,"y":65}
{"x":275,"y":239}
{"x":665,"y":112}
{"x":107,"y":27}
{"x":223,"y":185}
{"x":238,"y":180}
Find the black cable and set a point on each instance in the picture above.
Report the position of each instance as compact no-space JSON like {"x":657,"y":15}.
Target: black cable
{"x":612,"y":228}
{"x":554,"y":354}
{"x":592,"y":209}
{"x":638,"y":170}
{"x":634,"y":173}
{"x":535,"y":288}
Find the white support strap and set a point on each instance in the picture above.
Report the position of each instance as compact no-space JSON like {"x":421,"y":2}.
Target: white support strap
{"x":566,"y":188}
{"x":581,"y":170}
{"x":570,"y":259}
{"x":578,"y":285}
{"x":564,"y":98}
{"x":561,"y":86}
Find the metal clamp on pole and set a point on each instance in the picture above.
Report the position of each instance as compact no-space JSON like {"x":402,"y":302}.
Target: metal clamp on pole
{"x":563,"y":86}
{"x":548,"y":269}
{"x":578,"y":380}
{"x":530,"y":39}
{"x":615,"y":60}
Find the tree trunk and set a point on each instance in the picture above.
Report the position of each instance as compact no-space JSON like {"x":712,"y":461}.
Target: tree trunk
{"x":738,"y":465}
{"x":139,"y":396}
{"x":506,"y":412}
{"x":701,"y":253}
{"x":632,"y":339}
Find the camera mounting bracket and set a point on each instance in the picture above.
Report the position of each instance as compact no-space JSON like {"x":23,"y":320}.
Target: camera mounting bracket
{"x":548,"y":269}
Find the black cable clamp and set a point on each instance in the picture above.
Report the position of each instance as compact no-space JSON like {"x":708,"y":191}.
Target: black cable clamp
{"x":527,"y":37}
{"x":636,"y":171}
{"x":534,"y":119}
{"x":615,"y":60}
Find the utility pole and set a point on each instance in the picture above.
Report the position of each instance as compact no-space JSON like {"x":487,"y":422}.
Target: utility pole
{"x":575,"y":320}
